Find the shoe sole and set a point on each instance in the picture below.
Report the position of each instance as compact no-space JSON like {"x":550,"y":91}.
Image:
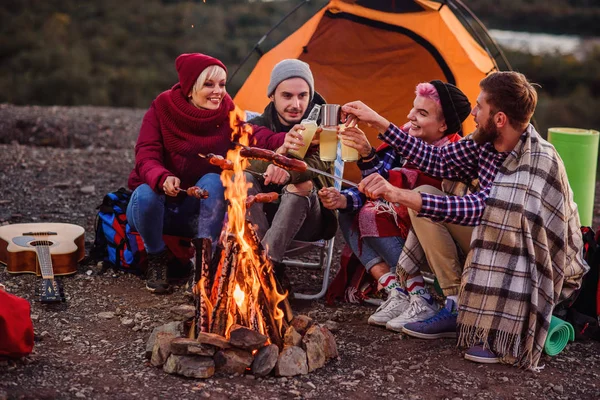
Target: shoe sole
{"x":393,"y":328}
{"x":158,"y":291}
{"x":429,"y":336}
{"x":376,"y":323}
{"x":481,"y":360}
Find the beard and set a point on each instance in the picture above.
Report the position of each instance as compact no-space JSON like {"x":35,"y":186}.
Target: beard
{"x":487,"y":133}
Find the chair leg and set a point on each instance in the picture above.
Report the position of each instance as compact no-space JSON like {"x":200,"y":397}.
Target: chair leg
{"x":326,"y":270}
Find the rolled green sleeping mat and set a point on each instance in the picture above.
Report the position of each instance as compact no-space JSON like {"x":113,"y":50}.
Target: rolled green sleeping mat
{"x":578,"y":149}
{"x":559,"y":334}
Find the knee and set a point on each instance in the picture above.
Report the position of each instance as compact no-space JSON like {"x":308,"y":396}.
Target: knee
{"x":212,"y":183}
{"x":144,"y":196}
{"x":302,"y":187}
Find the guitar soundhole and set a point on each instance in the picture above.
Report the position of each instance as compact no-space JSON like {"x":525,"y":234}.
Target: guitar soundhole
{"x":41,"y":243}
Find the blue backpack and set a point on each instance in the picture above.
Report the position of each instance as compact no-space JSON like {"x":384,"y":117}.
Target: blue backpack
{"x":115,"y":242}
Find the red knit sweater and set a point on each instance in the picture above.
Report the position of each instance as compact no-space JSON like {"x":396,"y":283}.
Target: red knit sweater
{"x":173,"y":132}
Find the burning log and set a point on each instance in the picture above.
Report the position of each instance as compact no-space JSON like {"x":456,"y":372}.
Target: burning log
{"x":202,"y":281}
{"x":225,"y":287}
{"x":267,"y":270}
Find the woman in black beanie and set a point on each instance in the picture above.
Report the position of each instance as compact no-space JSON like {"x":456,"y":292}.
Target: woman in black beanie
{"x":376,"y":229}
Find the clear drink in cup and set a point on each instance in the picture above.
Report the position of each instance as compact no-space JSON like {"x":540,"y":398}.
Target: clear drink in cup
{"x":328,"y":143}
{"x":310,"y":127}
{"x":348,"y":153}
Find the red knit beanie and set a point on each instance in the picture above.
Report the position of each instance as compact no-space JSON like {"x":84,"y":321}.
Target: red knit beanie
{"x":190,"y":66}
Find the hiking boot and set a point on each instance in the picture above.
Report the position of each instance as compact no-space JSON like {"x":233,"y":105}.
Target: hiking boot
{"x":282,"y":278}
{"x":482,"y":355}
{"x":419,"y":309}
{"x":395,"y":305}
{"x":156,"y":275}
{"x":441,"y":325}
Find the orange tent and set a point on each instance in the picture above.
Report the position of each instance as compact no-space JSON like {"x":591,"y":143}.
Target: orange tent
{"x":359,"y":53}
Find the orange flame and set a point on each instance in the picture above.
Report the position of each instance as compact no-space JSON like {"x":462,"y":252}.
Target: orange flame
{"x":249,"y":263}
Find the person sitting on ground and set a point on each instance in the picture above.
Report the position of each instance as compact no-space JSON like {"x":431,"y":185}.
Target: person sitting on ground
{"x":521,"y":230}
{"x":376,"y":229}
{"x":298,"y":215}
{"x":190,"y":118}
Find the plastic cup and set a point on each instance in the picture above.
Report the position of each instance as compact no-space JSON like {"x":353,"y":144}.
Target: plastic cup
{"x":307,"y":136}
{"x":328,"y":144}
{"x":349,"y":154}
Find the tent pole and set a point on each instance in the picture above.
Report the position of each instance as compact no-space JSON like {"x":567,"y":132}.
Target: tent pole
{"x":264,"y":37}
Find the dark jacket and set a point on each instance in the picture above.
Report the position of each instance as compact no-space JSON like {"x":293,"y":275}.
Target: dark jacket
{"x":270,"y":120}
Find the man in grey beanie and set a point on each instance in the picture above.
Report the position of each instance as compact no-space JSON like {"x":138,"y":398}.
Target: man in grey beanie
{"x":299,"y":215}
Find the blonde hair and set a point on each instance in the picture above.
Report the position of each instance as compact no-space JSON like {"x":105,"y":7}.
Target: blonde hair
{"x":211,"y":72}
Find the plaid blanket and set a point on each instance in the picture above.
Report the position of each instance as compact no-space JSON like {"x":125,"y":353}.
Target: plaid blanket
{"x":525,"y":256}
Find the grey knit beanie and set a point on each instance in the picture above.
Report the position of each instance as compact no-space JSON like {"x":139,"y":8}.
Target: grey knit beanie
{"x":291,"y":68}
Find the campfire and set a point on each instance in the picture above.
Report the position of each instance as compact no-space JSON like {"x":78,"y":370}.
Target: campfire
{"x":243,"y":289}
{"x":241,"y":320}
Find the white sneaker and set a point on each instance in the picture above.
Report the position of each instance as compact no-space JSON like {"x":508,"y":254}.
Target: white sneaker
{"x":418,"y":310}
{"x":395,"y":305}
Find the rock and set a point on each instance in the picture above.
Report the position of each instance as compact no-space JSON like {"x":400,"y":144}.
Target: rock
{"x":176,"y":328}
{"x":184,"y":346}
{"x":245,"y":338}
{"x":309,"y":385}
{"x":162,"y":348}
{"x":90,"y":189}
{"x":106,"y":315}
{"x":390,"y":378}
{"x":265,"y":360}
{"x":213,"y":339}
{"x":314,"y":343}
{"x":233,"y":361}
{"x":183,"y":311}
{"x":291,"y":362}
{"x":358,"y":373}
{"x":301,"y":323}
{"x":332,"y":325}
{"x":190,"y":366}
{"x":330,"y":345}
{"x":558,"y":389}
{"x":128,"y":322}
{"x":292,"y":337}
{"x":62,"y":185}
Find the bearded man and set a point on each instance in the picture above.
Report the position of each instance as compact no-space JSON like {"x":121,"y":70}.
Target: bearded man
{"x":519,"y":229}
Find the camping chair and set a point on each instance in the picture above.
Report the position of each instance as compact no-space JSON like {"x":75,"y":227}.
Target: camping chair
{"x":325,"y":246}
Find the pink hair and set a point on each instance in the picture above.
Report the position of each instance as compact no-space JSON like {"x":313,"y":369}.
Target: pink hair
{"x":427,"y":90}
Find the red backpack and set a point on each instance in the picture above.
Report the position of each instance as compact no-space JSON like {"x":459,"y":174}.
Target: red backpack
{"x":16,"y":328}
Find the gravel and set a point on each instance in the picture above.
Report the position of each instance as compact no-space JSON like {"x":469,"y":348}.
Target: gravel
{"x":57,"y":163}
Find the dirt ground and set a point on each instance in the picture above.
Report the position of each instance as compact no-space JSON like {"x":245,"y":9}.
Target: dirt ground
{"x":55,"y":166}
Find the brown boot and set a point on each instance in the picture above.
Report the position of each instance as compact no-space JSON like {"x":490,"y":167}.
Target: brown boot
{"x":156,"y":275}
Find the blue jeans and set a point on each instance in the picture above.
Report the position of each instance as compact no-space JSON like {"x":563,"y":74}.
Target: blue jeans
{"x":149,"y":214}
{"x":374,"y":249}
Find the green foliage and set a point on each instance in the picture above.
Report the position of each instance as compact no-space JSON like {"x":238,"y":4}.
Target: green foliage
{"x":122,"y":53}
{"x":576,"y":17}
{"x":569,"y":92}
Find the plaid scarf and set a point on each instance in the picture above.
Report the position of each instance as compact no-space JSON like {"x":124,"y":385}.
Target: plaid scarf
{"x":525,"y":256}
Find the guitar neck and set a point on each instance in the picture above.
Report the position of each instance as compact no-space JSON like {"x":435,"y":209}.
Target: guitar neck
{"x":45,"y":260}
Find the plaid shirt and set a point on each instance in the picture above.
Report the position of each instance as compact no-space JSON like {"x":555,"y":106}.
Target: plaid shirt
{"x":383,"y":161}
{"x":464,"y":160}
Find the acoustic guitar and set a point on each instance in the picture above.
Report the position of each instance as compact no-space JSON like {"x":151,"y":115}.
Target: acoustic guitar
{"x":44,"y":249}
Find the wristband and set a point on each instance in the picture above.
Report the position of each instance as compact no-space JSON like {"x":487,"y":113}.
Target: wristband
{"x":369,"y":156}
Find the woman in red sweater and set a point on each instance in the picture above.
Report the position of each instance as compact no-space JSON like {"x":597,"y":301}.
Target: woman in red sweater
{"x":190,"y":118}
